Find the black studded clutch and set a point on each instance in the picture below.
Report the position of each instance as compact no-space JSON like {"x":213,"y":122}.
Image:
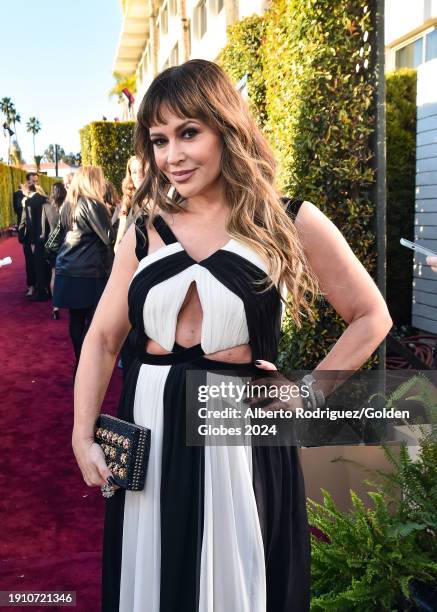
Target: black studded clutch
{"x":126,"y":447}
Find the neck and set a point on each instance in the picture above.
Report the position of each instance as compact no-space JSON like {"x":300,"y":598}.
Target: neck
{"x":208,"y":203}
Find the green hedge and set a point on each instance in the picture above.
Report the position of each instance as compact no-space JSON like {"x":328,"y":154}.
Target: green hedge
{"x":245,"y":57}
{"x":317,"y":115}
{"x":108,"y":144}
{"x":401,"y":171}
{"x":10,"y":178}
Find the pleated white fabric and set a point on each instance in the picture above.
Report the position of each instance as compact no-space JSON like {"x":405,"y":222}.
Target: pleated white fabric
{"x":224,"y":321}
{"x":232,"y":574}
{"x":141,"y":553}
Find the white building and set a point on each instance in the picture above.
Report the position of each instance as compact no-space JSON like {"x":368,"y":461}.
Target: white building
{"x":410,"y":33}
{"x":411,"y":42}
{"x":156,"y":34}
{"x":49,"y":168}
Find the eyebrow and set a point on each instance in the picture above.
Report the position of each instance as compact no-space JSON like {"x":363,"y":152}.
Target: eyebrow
{"x":178,"y":128}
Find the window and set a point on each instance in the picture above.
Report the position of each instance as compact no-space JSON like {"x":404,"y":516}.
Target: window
{"x":173,"y":7}
{"x":199,"y":19}
{"x":410,"y":56}
{"x":174,"y":55}
{"x":216,"y":6}
{"x":164,"y":20}
{"x":431,"y":46}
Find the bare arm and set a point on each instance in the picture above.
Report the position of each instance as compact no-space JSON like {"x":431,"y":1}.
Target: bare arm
{"x":101,"y":346}
{"x":349,"y":289}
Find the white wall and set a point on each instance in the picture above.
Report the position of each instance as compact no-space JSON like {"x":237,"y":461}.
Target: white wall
{"x":424,"y":279}
{"x":403,"y":16}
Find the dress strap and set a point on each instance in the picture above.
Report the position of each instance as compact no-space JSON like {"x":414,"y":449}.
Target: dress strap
{"x":142,"y":237}
{"x":292,"y":206}
{"x":180,"y":354}
{"x":164,"y":230}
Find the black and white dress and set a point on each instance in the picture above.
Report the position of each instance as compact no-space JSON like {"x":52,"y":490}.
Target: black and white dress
{"x":216,"y":528}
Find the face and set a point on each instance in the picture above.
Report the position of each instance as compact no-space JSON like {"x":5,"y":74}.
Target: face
{"x":189,"y":153}
{"x":67,"y":181}
{"x":136,"y":172}
{"x":35,"y":179}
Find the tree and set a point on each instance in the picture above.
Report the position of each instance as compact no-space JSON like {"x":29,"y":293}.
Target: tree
{"x":8,"y":109}
{"x":33,"y":126}
{"x":49,"y":153}
{"x":72,"y":159}
{"x":122,"y":82}
{"x":15,"y":118}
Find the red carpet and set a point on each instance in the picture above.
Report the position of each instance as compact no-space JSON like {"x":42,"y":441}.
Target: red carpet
{"x":51,"y":522}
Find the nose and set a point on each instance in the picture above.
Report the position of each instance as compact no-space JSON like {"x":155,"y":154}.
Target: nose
{"x":175,"y":152}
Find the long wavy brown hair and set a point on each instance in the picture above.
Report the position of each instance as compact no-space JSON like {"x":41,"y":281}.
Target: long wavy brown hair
{"x":200,"y":89}
{"x":127,"y":186}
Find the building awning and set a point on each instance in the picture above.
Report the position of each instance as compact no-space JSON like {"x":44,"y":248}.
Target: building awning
{"x":133,"y":36}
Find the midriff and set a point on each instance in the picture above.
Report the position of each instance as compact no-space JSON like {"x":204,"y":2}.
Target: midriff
{"x":235,"y":354}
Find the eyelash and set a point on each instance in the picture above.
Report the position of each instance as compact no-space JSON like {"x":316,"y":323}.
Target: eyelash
{"x":157,"y":141}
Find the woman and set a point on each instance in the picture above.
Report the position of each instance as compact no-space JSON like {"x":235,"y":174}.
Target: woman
{"x":30,"y":231}
{"x":215,"y":528}
{"x":131,"y":182}
{"x":84,"y":261}
{"x":49,"y":221}
{"x":111,"y":198}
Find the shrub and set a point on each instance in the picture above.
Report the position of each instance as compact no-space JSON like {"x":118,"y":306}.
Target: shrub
{"x":10,"y":178}
{"x":108,"y":144}
{"x":317,"y":112}
{"x":381,"y":557}
{"x":401,"y":176}
{"x":242,"y":56}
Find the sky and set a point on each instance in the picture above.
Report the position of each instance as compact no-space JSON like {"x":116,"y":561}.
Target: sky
{"x":56,"y":59}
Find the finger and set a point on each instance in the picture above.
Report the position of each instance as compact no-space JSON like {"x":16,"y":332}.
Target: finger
{"x":265,"y":365}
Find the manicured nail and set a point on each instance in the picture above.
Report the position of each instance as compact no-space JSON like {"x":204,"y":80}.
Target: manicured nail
{"x":258,"y":362}
{"x":110,"y":480}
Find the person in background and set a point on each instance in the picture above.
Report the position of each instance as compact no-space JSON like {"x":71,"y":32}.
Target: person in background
{"x":67,"y":180}
{"x":30,"y":230}
{"x":49,"y":221}
{"x":84,"y":261}
{"x":32,"y":178}
{"x":23,"y":239}
{"x":122,"y":219}
{"x":132,"y":180}
{"x":111,"y":198}
{"x":17,"y":199}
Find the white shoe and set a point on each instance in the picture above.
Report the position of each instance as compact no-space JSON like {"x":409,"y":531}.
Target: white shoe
{"x":29,"y":291}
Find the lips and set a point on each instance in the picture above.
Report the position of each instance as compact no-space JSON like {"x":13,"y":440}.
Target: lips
{"x":183,"y":175}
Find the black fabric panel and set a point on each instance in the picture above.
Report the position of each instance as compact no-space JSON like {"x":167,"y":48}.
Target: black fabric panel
{"x":293,"y":205}
{"x":155,"y":273}
{"x":263,"y":308}
{"x":142,"y":237}
{"x":164,"y":230}
{"x":114,"y":510}
{"x":280,"y":496}
{"x":182,"y":498}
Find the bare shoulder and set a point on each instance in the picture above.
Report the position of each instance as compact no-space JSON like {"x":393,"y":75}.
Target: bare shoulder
{"x":315,"y":229}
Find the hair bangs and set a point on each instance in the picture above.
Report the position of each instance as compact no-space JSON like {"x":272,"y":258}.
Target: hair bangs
{"x":173,"y":90}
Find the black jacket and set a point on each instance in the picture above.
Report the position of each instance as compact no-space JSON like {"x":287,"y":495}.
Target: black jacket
{"x":87,"y":250}
{"x":29,"y":230}
{"x":17,"y":199}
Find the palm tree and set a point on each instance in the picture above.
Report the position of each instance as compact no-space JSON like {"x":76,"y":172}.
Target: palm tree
{"x":8,"y":109}
{"x":15,"y":118}
{"x":33,"y":126}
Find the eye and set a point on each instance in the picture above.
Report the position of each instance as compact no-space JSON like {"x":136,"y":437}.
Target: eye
{"x":189,"y":133}
{"x":158,"y":142}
